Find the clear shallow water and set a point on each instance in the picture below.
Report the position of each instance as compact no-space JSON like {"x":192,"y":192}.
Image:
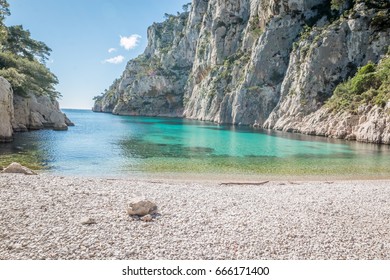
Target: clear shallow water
{"x":108,"y":145}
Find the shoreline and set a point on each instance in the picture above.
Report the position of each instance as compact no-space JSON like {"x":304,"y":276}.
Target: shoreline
{"x":183,"y":177}
{"x":40,"y":218}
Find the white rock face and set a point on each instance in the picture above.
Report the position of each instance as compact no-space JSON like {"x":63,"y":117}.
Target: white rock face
{"x":153,"y":84}
{"x":370,"y":124}
{"x":269,"y":63}
{"x":6,"y":110}
{"x":320,"y":62}
{"x":37,"y":113}
{"x":236,"y":79}
{"x":33,"y":112}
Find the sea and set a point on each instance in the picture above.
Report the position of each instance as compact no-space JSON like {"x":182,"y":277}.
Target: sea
{"x":106,"y":145}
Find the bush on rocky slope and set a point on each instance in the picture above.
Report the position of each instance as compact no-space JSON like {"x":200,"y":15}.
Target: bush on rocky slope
{"x":370,"y":85}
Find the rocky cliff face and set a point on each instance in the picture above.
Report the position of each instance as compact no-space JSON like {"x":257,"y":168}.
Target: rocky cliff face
{"x":37,"y":112}
{"x":6,"y":110}
{"x":325,"y":57}
{"x":27,"y":113}
{"x":153,"y":84}
{"x":271,"y":63}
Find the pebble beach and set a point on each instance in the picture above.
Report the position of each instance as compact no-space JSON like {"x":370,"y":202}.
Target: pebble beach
{"x":43,"y":217}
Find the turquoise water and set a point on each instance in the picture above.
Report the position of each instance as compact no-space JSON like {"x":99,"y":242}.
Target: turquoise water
{"x":108,"y":145}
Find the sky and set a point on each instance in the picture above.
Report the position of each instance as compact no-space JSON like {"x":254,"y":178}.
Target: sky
{"x":91,"y":40}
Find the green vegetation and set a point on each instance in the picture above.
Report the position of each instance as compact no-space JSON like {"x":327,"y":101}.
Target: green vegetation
{"x":381,"y":20}
{"x":337,"y":4}
{"x":187,"y":7}
{"x":376,"y":4}
{"x":22,"y":59}
{"x":304,"y":35}
{"x":370,"y":85}
{"x":253,"y":90}
{"x":231,"y":64}
{"x":255,"y":27}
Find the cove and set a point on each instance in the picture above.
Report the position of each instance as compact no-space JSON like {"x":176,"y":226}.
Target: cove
{"x":102,"y":145}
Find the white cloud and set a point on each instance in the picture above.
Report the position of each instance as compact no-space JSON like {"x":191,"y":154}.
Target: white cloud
{"x":130,"y":42}
{"x":111,"y":50}
{"x":115,"y":60}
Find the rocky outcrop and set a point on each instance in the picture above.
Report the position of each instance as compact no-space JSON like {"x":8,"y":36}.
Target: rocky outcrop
{"x":268,"y":63}
{"x":40,"y":112}
{"x":6,"y":111}
{"x":23,"y":113}
{"x":370,"y":124}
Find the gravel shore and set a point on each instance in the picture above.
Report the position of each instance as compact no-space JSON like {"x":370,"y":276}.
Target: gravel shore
{"x":41,"y":218}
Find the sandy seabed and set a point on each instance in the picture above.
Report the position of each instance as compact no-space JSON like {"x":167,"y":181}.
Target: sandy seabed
{"x":41,"y":218}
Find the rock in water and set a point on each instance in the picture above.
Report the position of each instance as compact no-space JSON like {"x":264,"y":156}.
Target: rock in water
{"x":141,"y":206}
{"x":18,"y":168}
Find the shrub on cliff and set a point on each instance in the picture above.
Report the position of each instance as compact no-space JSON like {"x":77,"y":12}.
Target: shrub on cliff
{"x":370,"y":85}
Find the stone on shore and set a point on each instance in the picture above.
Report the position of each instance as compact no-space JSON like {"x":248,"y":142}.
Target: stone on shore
{"x":147,"y":218}
{"x":18,"y":168}
{"x":88,"y":221}
{"x":141,"y":207}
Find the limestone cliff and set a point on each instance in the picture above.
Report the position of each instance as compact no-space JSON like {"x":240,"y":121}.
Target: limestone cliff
{"x":153,"y":84}
{"x":325,"y":57}
{"x":6,"y":110}
{"x":30,"y":112}
{"x":271,"y":63}
{"x":37,"y":112}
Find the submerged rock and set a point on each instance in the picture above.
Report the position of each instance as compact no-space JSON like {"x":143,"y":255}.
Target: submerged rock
{"x":18,"y":168}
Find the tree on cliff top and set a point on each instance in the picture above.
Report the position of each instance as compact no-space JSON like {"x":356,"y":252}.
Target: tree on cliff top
{"x":22,"y":60}
{"x":20,"y":43}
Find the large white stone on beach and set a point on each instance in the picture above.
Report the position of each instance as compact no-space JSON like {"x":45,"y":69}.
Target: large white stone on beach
{"x":18,"y":168}
{"x":141,"y":206}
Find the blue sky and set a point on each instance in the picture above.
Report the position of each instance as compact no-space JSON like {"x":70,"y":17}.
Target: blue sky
{"x":81,"y":33}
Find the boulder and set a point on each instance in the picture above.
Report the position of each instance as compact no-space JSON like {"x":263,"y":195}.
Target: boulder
{"x":18,"y":168}
{"x":141,"y":207}
{"x":88,"y":221}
